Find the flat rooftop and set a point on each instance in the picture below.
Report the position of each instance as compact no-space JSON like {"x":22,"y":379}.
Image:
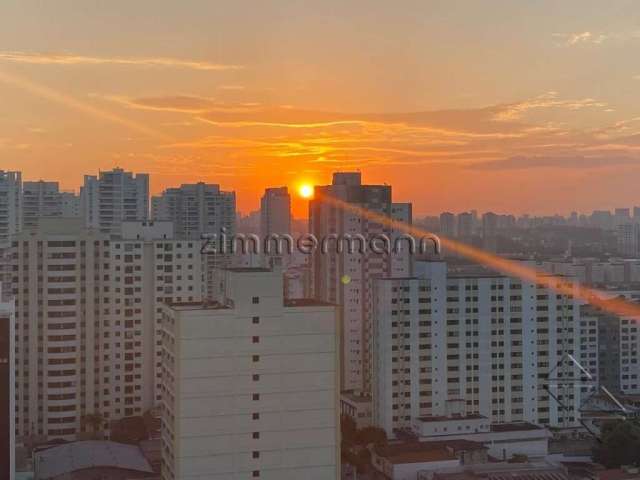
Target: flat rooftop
{"x":197,"y":306}
{"x":424,"y":452}
{"x":306,"y":302}
{"x":443,"y":418}
{"x":65,"y":459}
{"x":249,"y":270}
{"x":513,"y":427}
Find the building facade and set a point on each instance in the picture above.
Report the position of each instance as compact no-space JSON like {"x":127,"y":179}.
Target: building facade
{"x":10,"y":206}
{"x":492,"y":341}
{"x":7,"y":391}
{"x":114,"y":196}
{"x":250,"y":386}
{"x":196,"y":209}
{"x":344,"y":277}
{"x":88,"y":312}
{"x":44,"y":199}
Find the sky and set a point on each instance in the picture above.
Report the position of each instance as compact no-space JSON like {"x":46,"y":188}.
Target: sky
{"x":495,"y":105}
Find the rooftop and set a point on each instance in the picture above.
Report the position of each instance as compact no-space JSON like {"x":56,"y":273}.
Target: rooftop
{"x":444,"y":418}
{"x":249,"y":270}
{"x":513,"y":427}
{"x":306,"y":302}
{"x":415,"y":453}
{"x":200,"y":305}
{"x":71,"y":457}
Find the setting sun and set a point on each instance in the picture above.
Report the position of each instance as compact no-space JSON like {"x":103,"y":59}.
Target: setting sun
{"x":305,"y":190}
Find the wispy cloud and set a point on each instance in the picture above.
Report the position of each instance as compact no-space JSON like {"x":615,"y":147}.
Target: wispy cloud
{"x":180,"y":103}
{"x":577,"y":38}
{"x":526,"y":162}
{"x":547,"y":100}
{"x":36,"y":58}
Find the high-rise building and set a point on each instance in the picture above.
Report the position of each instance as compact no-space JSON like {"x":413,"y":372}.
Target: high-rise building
{"x":88,"y":309}
{"x":448,"y":224}
{"x":621,"y":216}
{"x":628,"y":238}
{"x":44,"y":199}
{"x":113,"y":197}
{"x":465,"y":225}
{"x":7,"y":390}
{"x":611,"y":346}
{"x":250,"y":385}
{"x":275,"y":212}
{"x":196,"y":209}
{"x":10,"y":205}
{"x":496,"y":343}
{"x":344,"y":276}
{"x":202,"y":209}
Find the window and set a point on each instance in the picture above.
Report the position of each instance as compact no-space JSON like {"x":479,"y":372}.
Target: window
{"x":255,"y":396}
{"x":256,"y":455}
{"x":256,"y":473}
{"x":255,"y":300}
{"x":256,"y":320}
{"x":256,"y":435}
{"x":256,"y":358}
{"x":255,"y":339}
{"x":255,"y":416}
{"x":255,"y":377}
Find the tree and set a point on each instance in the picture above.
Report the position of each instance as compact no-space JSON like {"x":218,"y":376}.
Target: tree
{"x":620,"y":444}
{"x":348,"y":429}
{"x":94,"y":420}
{"x":368,"y":435}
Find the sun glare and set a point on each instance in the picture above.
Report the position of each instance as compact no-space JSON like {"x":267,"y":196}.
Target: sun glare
{"x":305,"y":190}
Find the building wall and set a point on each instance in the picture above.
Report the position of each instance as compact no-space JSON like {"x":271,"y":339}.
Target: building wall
{"x":112,"y":197}
{"x":344,"y":278}
{"x":10,"y":206}
{"x":491,"y":341}
{"x":251,"y":388}
{"x":7,"y":391}
{"x":88,"y":315}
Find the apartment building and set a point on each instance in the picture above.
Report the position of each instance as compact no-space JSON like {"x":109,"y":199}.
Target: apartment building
{"x":250,"y":385}
{"x":196,"y":209}
{"x":88,"y":312}
{"x":498,"y":343}
{"x":275,"y":212}
{"x":610,"y":348}
{"x":7,"y":391}
{"x":114,"y":196}
{"x":10,"y":205}
{"x":344,"y":276}
{"x":44,"y":199}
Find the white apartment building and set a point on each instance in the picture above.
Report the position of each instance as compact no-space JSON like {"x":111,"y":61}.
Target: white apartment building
{"x":88,"y":312}
{"x":202,"y":209}
{"x":344,"y":277}
{"x":44,"y":199}
{"x":196,"y":209}
{"x":112,"y":197}
{"x":610,"y":350}
{"x":10,"y":205}
{"x":490,"y":340}
{"x":250,"y":386}
{"x":7,"y":389}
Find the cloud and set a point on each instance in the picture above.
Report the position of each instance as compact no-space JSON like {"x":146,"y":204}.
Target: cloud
{"x":180,"y":103}
{"x":546,"y":100}
{"x":522,"y":162}
{"x":36,"y":58}
{"x":571,"y":39}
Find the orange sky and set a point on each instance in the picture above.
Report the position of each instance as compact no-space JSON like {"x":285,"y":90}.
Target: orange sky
{"x":505,"y":106}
